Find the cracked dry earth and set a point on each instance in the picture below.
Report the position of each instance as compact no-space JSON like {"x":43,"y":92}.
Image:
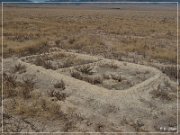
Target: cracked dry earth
{"x":129,"y":105}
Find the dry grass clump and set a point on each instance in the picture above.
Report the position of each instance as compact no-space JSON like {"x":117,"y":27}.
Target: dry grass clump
{"x":19,"y":68}
{"x":88,"y":78}
{"x":29,"y":81}
{"x":40,"y":61}
{"x":26,"y":87}
{"x":25,"y":92}
{"x":23,"y":108}
{"x":60,"y":60}
{"x":55,"y":109}
{"x":60,"y":56}
{"x":85,"y":73}
{"x":50,"y":93}
{"x":12,"y":87}
{"x":9,"y":85}
{"x":112,"y":76}
{"x":10,"y":78}
{"x":41,"y":47}
{"x":76,"y":75}
{"x":160,"y":93}
{"x":86,"y":69}
{"x":50,"y":107}
{"x":68,"y":62}
{"x":37,"y":108}
{"x":27,"y":48}
{"x":99,"y":127}
{"x":171,"y":71}
{"x":93,"y":79}
{"x":116,"y":77}
{"x":59,"y":95}
{"x":60,"y":85}
{"x":110,"y":65}
{"x":106,"y":76}
{"x":73,"y":60}
{"x":71,"y":41}
{"x":137,"y":125}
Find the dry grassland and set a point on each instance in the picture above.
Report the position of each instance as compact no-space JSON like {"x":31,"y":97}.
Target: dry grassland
{"x":151,"y":34}
{"x":83,"y":68}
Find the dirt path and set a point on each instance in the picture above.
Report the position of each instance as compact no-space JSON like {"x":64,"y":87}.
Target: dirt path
{"x":102,"y":93}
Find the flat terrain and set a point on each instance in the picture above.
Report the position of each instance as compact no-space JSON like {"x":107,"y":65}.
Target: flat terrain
{"x":90,"y":68}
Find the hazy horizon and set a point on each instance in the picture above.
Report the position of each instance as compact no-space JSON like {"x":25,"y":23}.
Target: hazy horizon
{"x":41,"y":1}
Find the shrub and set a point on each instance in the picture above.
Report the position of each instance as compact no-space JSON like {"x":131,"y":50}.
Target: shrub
{"x":171,"y":71}
{"x":10,"y":78}
{"x":60,"y":85}
{"x":42,"y":47}
{"x":99,"y":127}
{"x":97,"y":80}
{"x":57,"y":42}
{"x":71,"y":41}
{"x":93,"y":79}
{"x":54,"y":109}
{"x":9,"y":91}
{"x":160,"y":94}
{"x":59,"y":95}
{"x":113,"y":65}
{"x":68,"y":62}
{"x":49,"y":65}
{"x":76,"y":75}
{"x":43,"y":104}
{"x":110,"y":65}
{"x":50,"y":93}
{"x":29,"y":81}
{"x":106,"y":76}
{"x":87,"y":69}
{"x":19,"y":68}
{"x":39,"y":61}
{"x":32,"y":50}
{"x":26,"y":92}
{"x":116,"y":77}
{"x":42,"y":62}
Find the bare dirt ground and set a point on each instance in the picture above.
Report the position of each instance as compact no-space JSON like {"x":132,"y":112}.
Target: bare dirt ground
{"x":87,"y":75}
{"x":90,"y":107}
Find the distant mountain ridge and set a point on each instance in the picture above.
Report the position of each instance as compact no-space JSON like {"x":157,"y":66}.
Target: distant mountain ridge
{"x":89,"y":1}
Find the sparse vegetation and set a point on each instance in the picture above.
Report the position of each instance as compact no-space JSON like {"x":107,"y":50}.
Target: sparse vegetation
{"x":40,"y":61}
{"x":74,"y":40}
{"x":77,"y":75}
{"x":88,"y":78}
{"x":116,"y":77}
{"x":110,"y":65}
{"x":93,"y":79}
{"x":12,"y":87}
{"x":9,"y":85}
{"x":29,"y":81}
{"x":60,"y":85}
{"x":130,"y":36}
{"x":58,"y":94}
{"x":161,"y":94}
{"x":10,"y":78}
{"x":19,"y":68}
{"x":171,"y":71}
{"x":87,"y":69}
